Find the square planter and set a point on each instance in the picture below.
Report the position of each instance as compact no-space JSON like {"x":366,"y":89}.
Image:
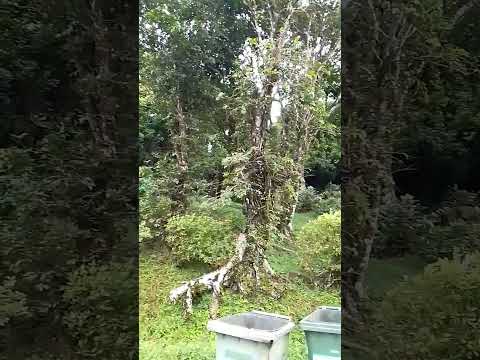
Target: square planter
{"x":323,"y":333}
{"x":252,"y":336}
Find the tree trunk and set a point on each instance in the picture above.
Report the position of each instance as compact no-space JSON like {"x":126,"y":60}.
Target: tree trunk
{"x":288,"y":202}
{"x":295,"y":142}
{"x":180,"y":193}
{"x":372,"y":99}
{"x":258,"y":188}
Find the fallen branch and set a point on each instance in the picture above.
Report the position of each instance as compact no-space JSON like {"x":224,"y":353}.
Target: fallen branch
{"x":213,"y":281}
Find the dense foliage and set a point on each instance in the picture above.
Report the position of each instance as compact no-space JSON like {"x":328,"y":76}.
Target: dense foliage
{"x":107,"y":288}
{"x":200,"y":238}
{"x":330,"y":199}
{"x":319,"y":248}
{"x":402,"y":227}
{"x":155,"y":204}
{"x":446,"y":241}
{"x":67,"y":170}
{"x":308,"y":198}
{"x":326,"y":200}
{"x":427,"y":317}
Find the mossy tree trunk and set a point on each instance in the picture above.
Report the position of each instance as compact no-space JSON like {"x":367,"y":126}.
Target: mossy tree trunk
{"x":180,"y":190}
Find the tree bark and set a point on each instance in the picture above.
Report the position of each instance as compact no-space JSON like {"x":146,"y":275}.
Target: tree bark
{"x":296,"y":139}
{"x":258,"y":186}
{"x":180,"y":193}
{"x":288,"y":203}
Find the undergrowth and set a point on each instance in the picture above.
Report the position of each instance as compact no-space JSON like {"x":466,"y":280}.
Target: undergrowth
{"x":166,"y":334}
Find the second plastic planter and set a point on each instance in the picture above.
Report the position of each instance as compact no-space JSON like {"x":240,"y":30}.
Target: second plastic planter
{"x":323,"y":333}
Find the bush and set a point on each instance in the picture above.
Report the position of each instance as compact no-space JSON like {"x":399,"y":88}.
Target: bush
{"x":459,"y":205}
{"x":200,"y":238}
{"x":457,"y":197}
{"x":220,"y":209}
{"x":154,"y":205}
{"x":14,"y":303}
{"x":401,"y":226}
{"x":434,"y":316}
{"x":329,"y":200}
{"x":445,"y":241}
{"x":319,"y":247}
{"x":308,"y":199}
{"x":100,"y":301}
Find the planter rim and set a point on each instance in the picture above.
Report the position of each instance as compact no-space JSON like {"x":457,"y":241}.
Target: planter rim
{"x":310,"y":324}
{"x":221,"y":326}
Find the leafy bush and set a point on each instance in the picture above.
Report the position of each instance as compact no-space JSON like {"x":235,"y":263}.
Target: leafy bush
{"x":101,"y":301}
{"x":457,"y":197}
{"x":220,"y":209}
{"x":444,"y":241}
{"x":319,"y":247}
{"x":13,"y":303}
{"x":402,"y":224}
{"x":424,"y":318}
{"x":329,"y":200}
{"x":308,"y":199}
{"x":154,"y":205}
{"x":200,"y":238}
{"x":55,"y":213}
{"x":459,"y":205}
{"x":456,"y":227}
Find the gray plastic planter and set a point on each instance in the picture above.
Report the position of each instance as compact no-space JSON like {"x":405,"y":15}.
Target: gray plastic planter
{"x":323,"y":333}
{"x":252,"y":336}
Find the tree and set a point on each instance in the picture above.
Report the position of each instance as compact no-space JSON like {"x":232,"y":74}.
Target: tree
{"x":187,"y":52}
{"x":285,"y":62}
{"x":398,"y":60}
{"x":68,"y":174}
{"x":373,"y":100}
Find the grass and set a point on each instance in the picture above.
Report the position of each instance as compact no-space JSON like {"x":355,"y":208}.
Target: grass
{"x":384,"y":274}
{"x":165,"y":333}
{"x":285,"y":262}
{"x":301,"y":219}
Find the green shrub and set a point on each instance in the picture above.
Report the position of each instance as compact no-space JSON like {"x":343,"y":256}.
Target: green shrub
{"x":329,"y":200}
{"x":13,"y":303}
{"x":457,"y":197}
{"x":220,"y":209}
{"x":154,"y":205}
{"x":200,"y":238}
{"x":319,"y":247}
{"x":308,"y":199}
{"x":444,"y":241}
{"x":401,"y":226}
{"x":434,"y":316}
{"x":100,"y":301}
{"x":458,"y":205}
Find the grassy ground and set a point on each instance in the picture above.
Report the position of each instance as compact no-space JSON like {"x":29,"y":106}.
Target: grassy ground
{"x":383,"y":275}
{"x":164,"y":332}
{"x":301,"y":219}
